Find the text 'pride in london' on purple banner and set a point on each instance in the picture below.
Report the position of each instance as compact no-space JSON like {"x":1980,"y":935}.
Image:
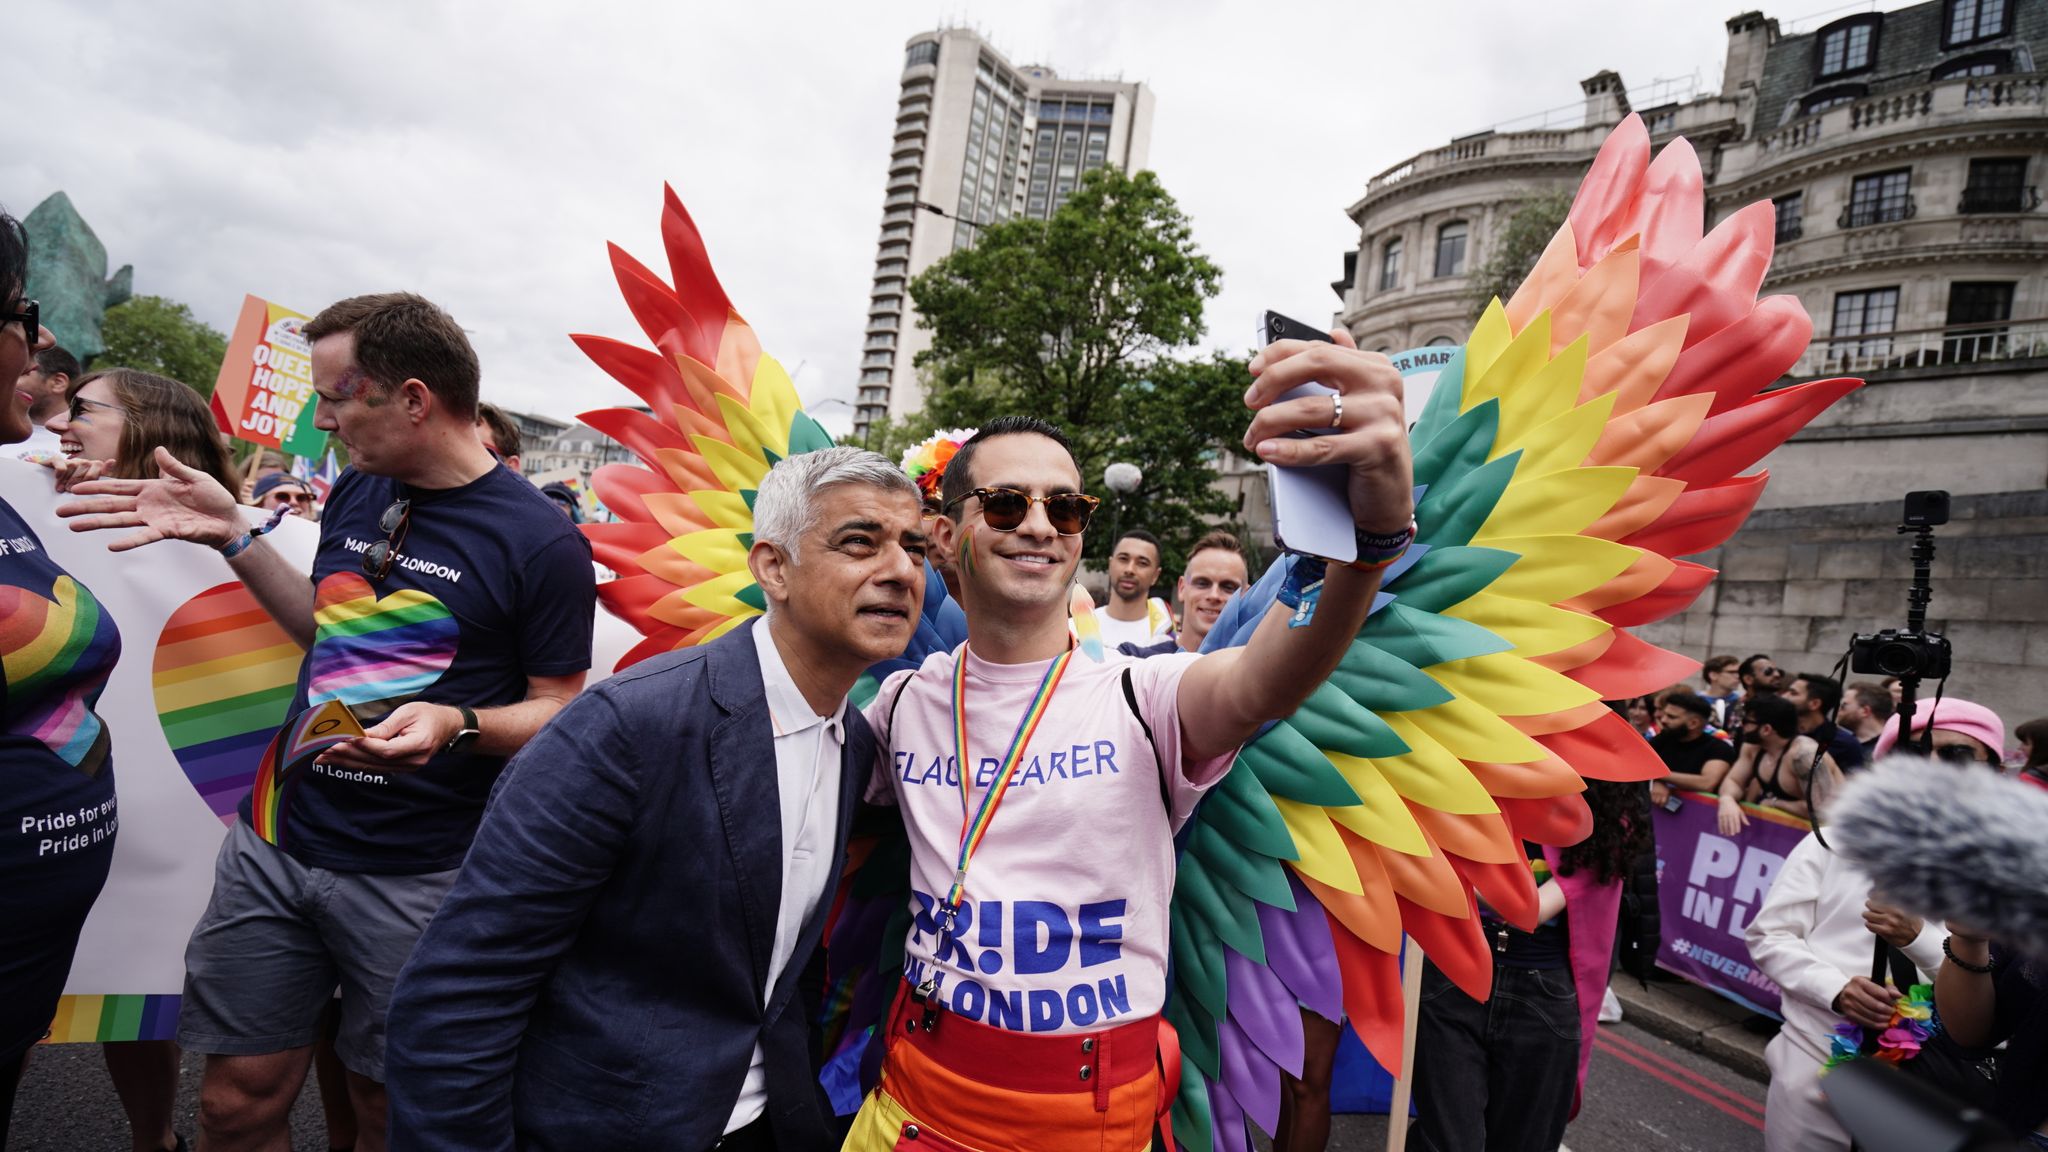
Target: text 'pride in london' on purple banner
{"x":1709,"y":886}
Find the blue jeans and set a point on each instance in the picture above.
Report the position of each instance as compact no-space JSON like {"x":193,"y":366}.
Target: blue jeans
{"x":1496,"y":1076}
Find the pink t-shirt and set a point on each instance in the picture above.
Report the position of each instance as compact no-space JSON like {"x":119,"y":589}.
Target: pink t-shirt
{"x":1064,"y":925}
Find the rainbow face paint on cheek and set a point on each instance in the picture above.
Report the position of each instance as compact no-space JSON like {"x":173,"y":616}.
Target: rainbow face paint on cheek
{"x":964,"y":557}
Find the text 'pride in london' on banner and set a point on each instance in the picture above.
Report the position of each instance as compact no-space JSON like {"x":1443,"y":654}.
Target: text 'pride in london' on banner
{"x":1709,"y":887}
{"x":265,"y":391}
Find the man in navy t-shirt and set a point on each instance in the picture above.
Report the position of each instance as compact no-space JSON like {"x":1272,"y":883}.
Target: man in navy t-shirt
{"x":450,"y":611}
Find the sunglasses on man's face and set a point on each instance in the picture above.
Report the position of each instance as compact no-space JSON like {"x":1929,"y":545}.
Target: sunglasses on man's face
{"x":1957,"y":754}
{"x":1005,"y":509}
{"x":380,"y":556}
{"x":295,"y":499}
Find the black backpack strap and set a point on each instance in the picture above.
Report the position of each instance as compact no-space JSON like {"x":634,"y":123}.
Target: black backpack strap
{"x":1158,"y":761}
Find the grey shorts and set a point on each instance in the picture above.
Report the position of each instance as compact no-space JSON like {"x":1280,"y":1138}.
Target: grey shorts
{"x":276,"y":940}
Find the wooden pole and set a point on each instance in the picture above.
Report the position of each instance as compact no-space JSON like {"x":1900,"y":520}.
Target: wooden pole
{"x":1404,"y":1082}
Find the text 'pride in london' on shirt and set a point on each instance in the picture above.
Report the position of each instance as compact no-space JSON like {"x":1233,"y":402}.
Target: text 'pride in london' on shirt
{"x":1063,"y":927}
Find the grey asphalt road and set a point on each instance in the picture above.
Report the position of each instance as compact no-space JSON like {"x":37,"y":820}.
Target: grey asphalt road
{"x":1643,"y":1095}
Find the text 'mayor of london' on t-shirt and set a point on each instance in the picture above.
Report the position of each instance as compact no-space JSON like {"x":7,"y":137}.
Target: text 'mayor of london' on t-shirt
{"x":1064,"y":924}
{"x":492,"y":585}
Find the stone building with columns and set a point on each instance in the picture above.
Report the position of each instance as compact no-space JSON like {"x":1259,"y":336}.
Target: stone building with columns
{"x":1904,"y":151}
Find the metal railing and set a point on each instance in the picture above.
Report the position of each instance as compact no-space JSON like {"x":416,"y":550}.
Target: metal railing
{"x":1951,"y":345}
{"x":1877,"y":212}
{"x":2008,"y":198}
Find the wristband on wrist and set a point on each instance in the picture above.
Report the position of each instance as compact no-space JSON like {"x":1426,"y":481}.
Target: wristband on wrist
{"x":240,"y":544}
{"x":1965,"y":965}
{"x":1380,"y":550}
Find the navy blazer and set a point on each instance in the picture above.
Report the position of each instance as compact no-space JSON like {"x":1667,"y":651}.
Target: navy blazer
{"x":595,"y":978}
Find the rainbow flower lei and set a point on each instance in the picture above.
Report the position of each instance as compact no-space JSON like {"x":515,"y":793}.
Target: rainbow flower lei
{"x":926,"y":462}
{"x":1912,"y":1025}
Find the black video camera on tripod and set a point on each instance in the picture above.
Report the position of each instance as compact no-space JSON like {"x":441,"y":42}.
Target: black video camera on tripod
{"x":1910,"y":654}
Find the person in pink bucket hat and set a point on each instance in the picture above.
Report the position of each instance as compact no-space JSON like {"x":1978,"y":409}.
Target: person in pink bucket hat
{"x":1964,"y":732}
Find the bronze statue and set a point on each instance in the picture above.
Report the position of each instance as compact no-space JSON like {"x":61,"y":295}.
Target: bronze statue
{"x":67,"y":273}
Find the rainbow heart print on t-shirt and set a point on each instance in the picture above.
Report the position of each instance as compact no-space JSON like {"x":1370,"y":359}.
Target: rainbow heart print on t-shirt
{"x":223,"y":677}
{"x":373,"y":652}
{"x":58,"y":651}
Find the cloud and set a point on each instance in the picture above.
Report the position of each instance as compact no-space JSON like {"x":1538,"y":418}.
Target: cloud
{"x":483,"y":154}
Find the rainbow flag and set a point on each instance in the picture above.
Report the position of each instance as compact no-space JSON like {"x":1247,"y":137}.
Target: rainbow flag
{"x":314,"y":731}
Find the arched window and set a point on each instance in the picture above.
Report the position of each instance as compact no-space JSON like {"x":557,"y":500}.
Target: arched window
{"x":1450,"y":248}
{"x":1828,"y":97}
{"x":1390,"y":264}
{"x":1847,"y":46}
{"x":1440,"y":342}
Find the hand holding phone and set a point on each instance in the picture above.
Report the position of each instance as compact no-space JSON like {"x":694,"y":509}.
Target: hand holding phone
{"x":1311,"y":505}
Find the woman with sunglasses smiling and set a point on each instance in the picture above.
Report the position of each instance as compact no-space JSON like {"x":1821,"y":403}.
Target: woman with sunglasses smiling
{"x":57,"y":812}
{"x":113,"y":422}
{"x":117,"y":418}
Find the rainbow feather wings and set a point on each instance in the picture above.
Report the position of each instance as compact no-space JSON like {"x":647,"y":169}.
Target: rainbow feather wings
{"x":1591,"y":432}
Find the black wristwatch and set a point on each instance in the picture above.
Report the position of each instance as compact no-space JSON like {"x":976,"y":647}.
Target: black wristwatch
{"x":462,"y":740}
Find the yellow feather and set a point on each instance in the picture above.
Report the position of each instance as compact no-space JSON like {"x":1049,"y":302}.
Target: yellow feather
{"x":1489,"y":339}
{"x":1428,"y":773}
{"x":1561,"y":503}
{"x":718,"y":549}
{"x":717,"y":595}
{"x":1524,"y":356}
{"x":1509,"y":685}
{"x":773,"y":400}
{"x":1553,"y":569}
{"x":726,"y":509}
{"x":1534,"y":629}
{"x":748,"y":433}
{"x":1472,"y":732}
{"x":1380,"y":816}
{"x":1565,"y":441}
{"x":737,"y":467}
{"x":1322,"y":850}
{"x":1548,"y":392}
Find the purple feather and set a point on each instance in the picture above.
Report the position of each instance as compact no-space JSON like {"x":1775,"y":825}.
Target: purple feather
{"x":1226,"y":1122}
{"x":1267,"y":1012}
{"x":1300,"y":952}
{"x":1249,"y":1076}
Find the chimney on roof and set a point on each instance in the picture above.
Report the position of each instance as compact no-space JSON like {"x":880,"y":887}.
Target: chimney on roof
{"x":1750,"y":36}
{"x":1606,"y":98}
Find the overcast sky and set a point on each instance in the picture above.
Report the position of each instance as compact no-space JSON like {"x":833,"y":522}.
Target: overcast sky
{"x":482,"y":154}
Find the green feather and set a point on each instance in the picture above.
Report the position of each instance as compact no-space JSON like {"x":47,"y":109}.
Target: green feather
{"x":807,"y":435}
{"x":1332,"y":720}
{"x":1451,"y":513}
{"x":1446,"y":577}
{"x":752,"y":597}
{"x":1461,"y":446}
{"x":1230,"y":912}
{"x":747,"y":494}
{"x":1425,"y":639}
{"x":1384,"y":682}
{"x":1443,"y":402}
{"x":1243,"y":813}
{"x":1260,"y":877}
{"x":1198,"y":1034}
{"x":1288,"y":765}
{"x":1192,"y":1127}
{"x":1198,"y":958}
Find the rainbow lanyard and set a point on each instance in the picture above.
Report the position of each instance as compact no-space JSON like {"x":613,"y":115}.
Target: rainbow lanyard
{"x":975,"y":821}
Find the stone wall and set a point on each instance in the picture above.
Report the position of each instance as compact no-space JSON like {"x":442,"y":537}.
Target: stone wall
{"x":1798,"y":582}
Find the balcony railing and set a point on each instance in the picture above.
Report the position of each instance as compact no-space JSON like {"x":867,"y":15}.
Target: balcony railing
{"x":1955,"y":344}
{"x":2003,"y":199}
{"x":2022,"y":95}
{"x":1789,"y":230}
{"x":1883,"y":212}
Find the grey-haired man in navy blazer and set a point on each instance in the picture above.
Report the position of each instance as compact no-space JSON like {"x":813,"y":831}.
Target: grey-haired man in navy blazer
{"x":617,"y":966}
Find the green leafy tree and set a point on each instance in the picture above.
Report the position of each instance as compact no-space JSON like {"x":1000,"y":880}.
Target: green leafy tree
{"x":1517,"y":247}
{"x":162,"y":336}
{"x":1072,"y":320}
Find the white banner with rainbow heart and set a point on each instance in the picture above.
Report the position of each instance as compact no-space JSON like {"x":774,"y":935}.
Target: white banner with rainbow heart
{"x":203,"y":684}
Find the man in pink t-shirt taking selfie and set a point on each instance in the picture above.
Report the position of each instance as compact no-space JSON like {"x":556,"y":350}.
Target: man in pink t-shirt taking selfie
{"x":1035,"y":967}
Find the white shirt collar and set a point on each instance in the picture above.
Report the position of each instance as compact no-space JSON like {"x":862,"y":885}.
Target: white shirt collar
{"x":788,"y":710}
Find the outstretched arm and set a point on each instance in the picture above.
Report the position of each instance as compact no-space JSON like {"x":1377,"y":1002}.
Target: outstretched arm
{"x":1225,"y":696}
{"x":186,"y":504}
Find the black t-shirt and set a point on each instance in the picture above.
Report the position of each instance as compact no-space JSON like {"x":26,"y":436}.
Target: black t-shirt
{"x":1843,"y":748}
{"x":1549,"y":947}
{"x":1691,"y":755}
{"x":492,"y":585}
{"x":2020,"y":1019}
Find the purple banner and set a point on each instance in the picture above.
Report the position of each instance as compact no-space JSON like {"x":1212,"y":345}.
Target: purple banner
{"x":1708,"y":888}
